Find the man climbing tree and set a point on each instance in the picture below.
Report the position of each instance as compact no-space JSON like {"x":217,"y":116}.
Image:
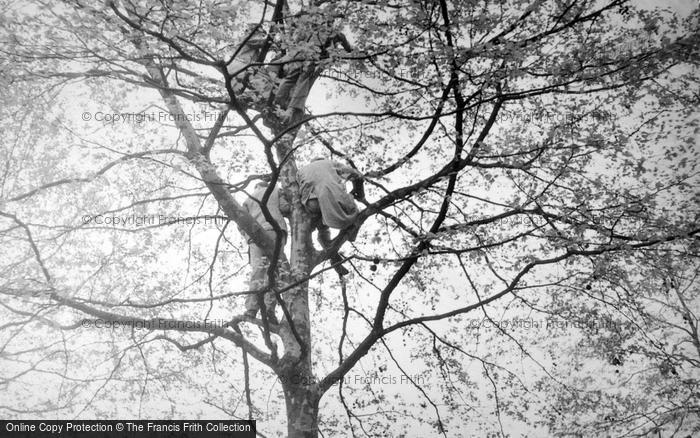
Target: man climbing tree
{"x":311,"y":37}
{"x":323,"y":193}
{"x":253,"y":84}
{"x":276,"y":208}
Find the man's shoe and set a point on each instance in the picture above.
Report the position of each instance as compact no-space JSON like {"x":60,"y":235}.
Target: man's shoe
{"x":352,"y":231}
{"x":337,"y":260}
{"x":341,"y":270}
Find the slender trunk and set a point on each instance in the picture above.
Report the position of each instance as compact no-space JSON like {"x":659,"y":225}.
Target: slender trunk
{"x":295,"y":371}
{"x":302,"y":407}
{"x":294,"y":368}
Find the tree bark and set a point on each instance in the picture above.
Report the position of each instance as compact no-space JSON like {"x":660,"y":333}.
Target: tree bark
{"x":294,"y":368}
{"x":302,"y":407}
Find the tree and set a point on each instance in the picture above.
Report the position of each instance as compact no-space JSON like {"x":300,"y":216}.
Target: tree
{"x":521,"y":147}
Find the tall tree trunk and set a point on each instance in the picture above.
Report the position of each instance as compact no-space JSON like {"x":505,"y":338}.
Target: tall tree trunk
{"x":294,"y":368}
{"x":302,"y":400}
